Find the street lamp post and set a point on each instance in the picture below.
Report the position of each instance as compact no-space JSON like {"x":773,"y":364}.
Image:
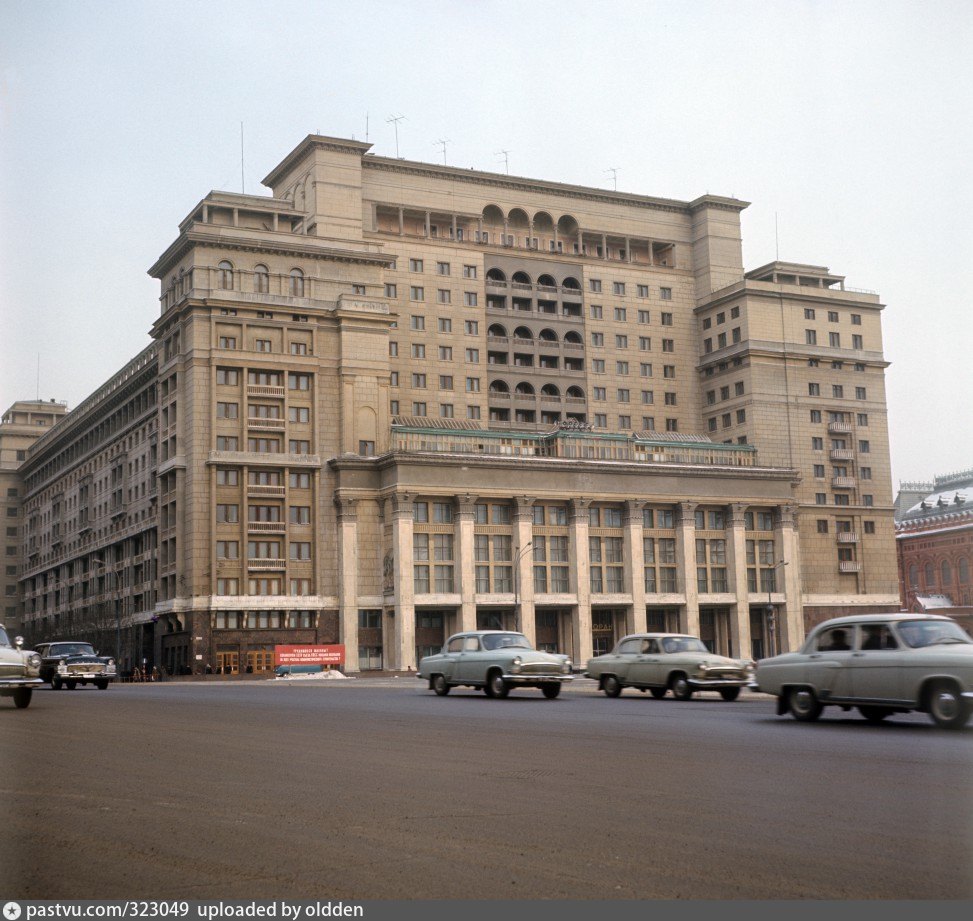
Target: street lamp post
{"x":771,"y":611}
{"x":517,"y":615}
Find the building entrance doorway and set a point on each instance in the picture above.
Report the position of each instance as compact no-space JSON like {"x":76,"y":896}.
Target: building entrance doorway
{"x":605,"y":629}
{"x":431,"y":628}
{"x":495,"y":619}
{"x":227,"y":660}
{"x":552,"y":630}
{"x":714,"y":630}
{"x":662,"y":620}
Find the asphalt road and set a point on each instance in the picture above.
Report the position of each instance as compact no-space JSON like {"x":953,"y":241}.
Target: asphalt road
{"x":378,"y":789}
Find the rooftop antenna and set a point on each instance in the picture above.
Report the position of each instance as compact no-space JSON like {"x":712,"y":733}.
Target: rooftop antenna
{"x":395,"y":119}
{"x":38,"y":377}
{"x":506,"y":159}
{"x":443,"y":142}
{"x":366,"y":127}
{"x":776,"y":237}
{"x":243,"y":187}
{"x":614,"y":171}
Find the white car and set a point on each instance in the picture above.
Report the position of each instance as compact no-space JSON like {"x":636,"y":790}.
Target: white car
{"x":881,"y":664}
{"x":19,"y":670}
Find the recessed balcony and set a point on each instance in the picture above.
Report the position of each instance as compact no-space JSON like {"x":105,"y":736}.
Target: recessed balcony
{"x":847,"y":537}
{"x":842,"y":454}
{"x":843,"y":482}
{"x":849,"y":566}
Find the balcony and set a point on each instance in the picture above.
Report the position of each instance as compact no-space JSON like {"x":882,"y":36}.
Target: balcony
{"x":849,"y":566}
{"x":843,"y":482}
{"x":839,"y":427}
{"x":261,"y":490}
{"x":267,"y":564}
{"x":261,"y":390}
{"x":267,"y":527}
{"x":841,"y":454}
{"x":847,"y":537}
{"x":277,"y":425}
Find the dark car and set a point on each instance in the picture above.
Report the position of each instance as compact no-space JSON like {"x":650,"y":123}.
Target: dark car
{"x":68,"y":663}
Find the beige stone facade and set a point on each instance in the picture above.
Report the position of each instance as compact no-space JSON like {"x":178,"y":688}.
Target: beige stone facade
{"x":393,"y":400}
{"x":20,"y":426}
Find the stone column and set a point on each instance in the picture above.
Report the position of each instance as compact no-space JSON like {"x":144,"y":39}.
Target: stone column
{"x":404,"y":641}
{"x":634,"y":567}
{"x":790,"y":621}
{"x":604,"y":246}
{"x":401,"y":222}
{"x":736,"y":564}
{"x":428,"y":225}
{"x":347,"y":514}
{"x":524,"y":566}
{"x":581,"y":567}
{"x":466,"y":568}
{"x":686,"y":557}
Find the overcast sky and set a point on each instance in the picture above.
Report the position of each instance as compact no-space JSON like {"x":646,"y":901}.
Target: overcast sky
{"x":849,"y":121}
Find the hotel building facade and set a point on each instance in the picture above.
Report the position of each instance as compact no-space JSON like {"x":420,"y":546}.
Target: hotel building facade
{"x":393,"y":400}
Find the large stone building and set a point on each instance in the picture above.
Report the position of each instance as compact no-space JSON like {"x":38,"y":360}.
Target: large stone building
{"x":934,"y":540}
{"x":21,"y":425}
{"x":393,"y":400}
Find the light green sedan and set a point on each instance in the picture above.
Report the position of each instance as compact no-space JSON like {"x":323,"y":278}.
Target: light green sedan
{"x":495,"y":660}
{"x":881,"y":664}
{"x":660,"y":662}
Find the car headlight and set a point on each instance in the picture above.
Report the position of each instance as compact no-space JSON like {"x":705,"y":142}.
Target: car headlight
{"x":62,"y":666}
{"x":704,"y":666}
{"x":516,"y":663}
{"x":34,"y":660}
{"x":111,"y":662}
{"x":566,"y":667}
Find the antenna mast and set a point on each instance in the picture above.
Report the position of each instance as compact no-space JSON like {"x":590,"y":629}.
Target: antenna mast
{"x":442,"y":143}
{"x":395,"y":119}
{"x":243,"y":187}
{"x":614,"y":171}
{"x":506,"y":159}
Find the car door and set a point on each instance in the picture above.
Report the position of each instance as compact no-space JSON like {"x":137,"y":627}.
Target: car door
{"x":470,"y":665}
{"x":877,"y":665}
{"x":451,"y":657}
{"x":829,"y":664}
{"x":646,"y":667}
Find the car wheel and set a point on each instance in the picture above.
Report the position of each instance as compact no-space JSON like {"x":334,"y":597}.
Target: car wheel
{"x":71,"y":685}
{"x":946,"y":707}
{"x":611,"y":686}
{"x":658,"y":693}
{"x":804,"y":705}
{"x":440,"y":685}
{"x":496,"y":687}
{"x":550,"y":691}
{"x":101,"y":685}
{"x":56,"y":683}
{"x":22,"y":698}
{"x":730,"y":693}
{"x":681,"y":688}
{"x":875,"y":714}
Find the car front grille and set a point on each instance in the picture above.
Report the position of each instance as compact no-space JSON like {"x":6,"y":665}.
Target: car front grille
{"x":96,"y":668}
{"x":539,"y":668}
{"x":12,"y":670}
{"x":725,"y":673}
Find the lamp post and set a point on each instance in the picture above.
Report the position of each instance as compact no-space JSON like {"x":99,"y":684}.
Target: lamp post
{"x":517,"y":617}
{"x":771,"y":611}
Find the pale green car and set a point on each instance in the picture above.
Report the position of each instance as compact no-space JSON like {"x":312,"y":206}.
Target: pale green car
{"x":663,"y":662}
{"x":881,"y":664}
{"x":19,"y":670}
{"x":497,"y":661}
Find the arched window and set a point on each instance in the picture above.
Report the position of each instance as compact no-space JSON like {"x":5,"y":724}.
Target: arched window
{"x":226,"y":275}
{"x":261,"y":279}
{"x":929,"y":572}
{"x":913,"y":576}
{"x":947,"y":573}
{"x":964,"y":571}
{"x":297,"y":283}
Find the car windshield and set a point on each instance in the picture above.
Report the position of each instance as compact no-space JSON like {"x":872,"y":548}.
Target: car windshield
{"x":72,"y":649}
{"x":919,"y":633}
{"x":505,"y":641}
{"x":4,"y":639}
{"x":683,"y":644}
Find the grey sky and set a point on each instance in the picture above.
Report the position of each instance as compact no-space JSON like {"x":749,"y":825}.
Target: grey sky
{"x":849,"y":120}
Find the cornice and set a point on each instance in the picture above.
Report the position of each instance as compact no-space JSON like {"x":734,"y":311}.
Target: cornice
{"x":310,"y":143}
{"x":197,"y":237}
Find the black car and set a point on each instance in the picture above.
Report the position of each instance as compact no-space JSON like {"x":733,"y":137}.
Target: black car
{"x":68,"y":663}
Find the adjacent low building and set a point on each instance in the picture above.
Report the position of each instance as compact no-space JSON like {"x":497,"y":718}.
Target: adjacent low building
{"x":934,"y":538}
{"x":392,"y":400}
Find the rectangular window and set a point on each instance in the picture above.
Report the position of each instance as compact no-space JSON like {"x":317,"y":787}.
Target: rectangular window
{"x":666,"y":318}
{"x":473,"y":356}
{"x":415,"y":265}
{"x":618,"y":287}
{"x":442,"y":268}
{"x":620,"y":314}
{"x":299,"y":381}
{"x":471,"y":327}
{"x":445,"y":325}
{"x":594,"y":285}
{"x":668,"y":345}
{"x":810,"y":337}
{"x":469,"y":271}
{"x":299,"y":514}
{"x":418,"y":350}
{"x":470,"y":299}
{"x":391,"y":290}
{"x":417,"y":293}
{"x":443,"y":296}
{"x":445,"y":353}
{"x":227,"y":342}
{"x":596,"y":311}
{"x":227,"y":376}
{"x":857,"y":342}
{"x":665,"y":294}
{"x":861,"y":394}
